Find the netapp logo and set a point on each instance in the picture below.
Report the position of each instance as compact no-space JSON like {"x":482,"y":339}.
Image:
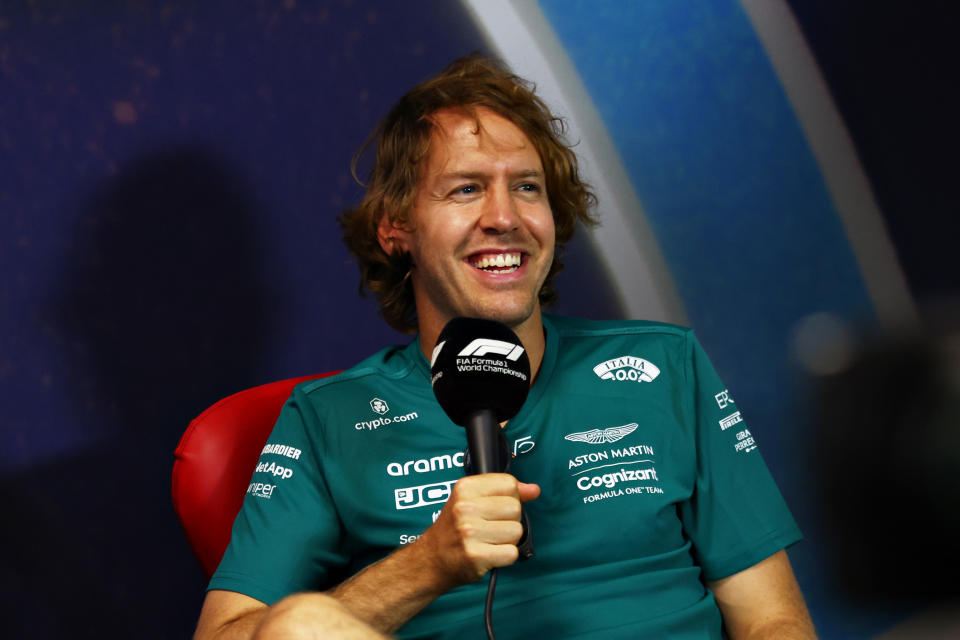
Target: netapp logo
{"x":424,"y":465}
{"x":627,"y":368}
{"x":426,"y":494}
{"x":482,"y":346}
{"x":275,"y":469}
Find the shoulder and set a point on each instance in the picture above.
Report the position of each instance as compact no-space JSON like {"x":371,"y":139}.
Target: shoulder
{"x":636,"y":350}
{"x":572,"y":327}
{"x":391,"y":363}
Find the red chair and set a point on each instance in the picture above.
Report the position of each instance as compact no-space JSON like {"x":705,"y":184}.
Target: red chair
{"x":215,"y":460}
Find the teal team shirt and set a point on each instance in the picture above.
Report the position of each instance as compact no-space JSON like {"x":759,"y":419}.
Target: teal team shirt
{"x":651,"y":483}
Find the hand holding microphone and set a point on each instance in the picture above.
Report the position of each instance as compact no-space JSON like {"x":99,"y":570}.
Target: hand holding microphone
{"x":481,"y":376}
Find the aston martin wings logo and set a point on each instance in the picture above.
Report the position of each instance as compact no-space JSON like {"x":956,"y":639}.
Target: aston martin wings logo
{"x":600,"y":436}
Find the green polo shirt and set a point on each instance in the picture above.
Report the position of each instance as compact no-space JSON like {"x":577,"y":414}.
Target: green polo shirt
{"x":651,"y":483}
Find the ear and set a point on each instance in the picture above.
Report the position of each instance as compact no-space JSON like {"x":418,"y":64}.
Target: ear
{"x":392,"y":237}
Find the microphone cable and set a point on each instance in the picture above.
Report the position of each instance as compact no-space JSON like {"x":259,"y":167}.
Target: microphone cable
{"x":480,"y":375}
{"x":488,"y":607}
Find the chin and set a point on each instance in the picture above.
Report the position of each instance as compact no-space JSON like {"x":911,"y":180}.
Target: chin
{"x":510,"y":315}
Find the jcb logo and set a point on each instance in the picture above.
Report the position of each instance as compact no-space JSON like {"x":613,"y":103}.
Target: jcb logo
{"x":413,"y":497}
{"x":483,"y":346}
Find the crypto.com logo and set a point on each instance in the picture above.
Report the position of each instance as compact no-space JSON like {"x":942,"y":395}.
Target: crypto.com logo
{"x":379,"y":406}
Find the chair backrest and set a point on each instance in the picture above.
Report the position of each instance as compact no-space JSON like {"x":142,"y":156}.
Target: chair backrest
{"x":215,"y":460}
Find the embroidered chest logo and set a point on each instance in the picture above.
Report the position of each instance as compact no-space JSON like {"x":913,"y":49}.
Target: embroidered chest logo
{"x":601,"y":436}
{"x":379,"y":406}
{"x":627,"y":368}
{"x":613,"y":472}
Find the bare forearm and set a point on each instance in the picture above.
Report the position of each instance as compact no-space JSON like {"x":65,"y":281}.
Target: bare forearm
{"x":313,"y":616}
{"x":763,"y":601}
{"x":476,"y":530}
{"x":390,"y":592}
{"x":241,"y":627}
{"x":801,"y":629}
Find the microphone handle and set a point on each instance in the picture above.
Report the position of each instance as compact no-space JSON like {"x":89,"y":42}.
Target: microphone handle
{"x":487,"y":447}
{"x":483,"y":441}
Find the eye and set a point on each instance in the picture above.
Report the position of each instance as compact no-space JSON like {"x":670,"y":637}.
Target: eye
{"x":465,"y":190}
{"x":531,"y":190}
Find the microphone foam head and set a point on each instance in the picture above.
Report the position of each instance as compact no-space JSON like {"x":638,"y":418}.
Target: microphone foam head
{"x":479,"y":364}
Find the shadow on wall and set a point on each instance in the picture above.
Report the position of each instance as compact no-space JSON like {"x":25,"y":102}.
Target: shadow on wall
{"x":884,"y":430}
{"x":161,"y":310}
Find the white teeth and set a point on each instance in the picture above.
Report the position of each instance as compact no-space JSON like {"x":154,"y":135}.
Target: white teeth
{"x":500,"y":261}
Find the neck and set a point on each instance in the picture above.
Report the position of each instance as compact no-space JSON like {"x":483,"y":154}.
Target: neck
{"x":530,"y":332}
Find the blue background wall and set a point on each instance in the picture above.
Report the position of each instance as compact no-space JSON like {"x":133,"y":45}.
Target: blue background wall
{"x":170,"y":175}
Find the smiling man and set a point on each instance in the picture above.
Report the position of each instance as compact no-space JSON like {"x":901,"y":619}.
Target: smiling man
{"x":654,"y":513}
{"x":481,"y":233}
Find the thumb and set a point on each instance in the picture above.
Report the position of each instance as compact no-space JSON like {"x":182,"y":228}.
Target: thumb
{"x":528,"y":491}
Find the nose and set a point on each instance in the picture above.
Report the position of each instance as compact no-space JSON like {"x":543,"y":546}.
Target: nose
{"x":500,"y":214}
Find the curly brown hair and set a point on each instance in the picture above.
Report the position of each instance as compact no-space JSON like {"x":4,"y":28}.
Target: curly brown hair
{"x":402,"y":143}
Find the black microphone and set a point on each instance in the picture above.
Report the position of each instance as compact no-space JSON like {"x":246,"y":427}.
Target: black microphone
{"x":480,"y":374}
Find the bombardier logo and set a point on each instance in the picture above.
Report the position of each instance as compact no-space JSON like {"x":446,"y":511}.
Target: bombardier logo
{"x":483,"y":346}
{"x":601,"y":436}
{"x":627,"y":368}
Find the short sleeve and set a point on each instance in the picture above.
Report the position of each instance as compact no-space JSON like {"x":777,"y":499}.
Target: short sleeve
{"x":736,"y":516}
{"x":286,"y":537}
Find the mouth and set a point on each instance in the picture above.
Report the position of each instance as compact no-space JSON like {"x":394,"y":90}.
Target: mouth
{"x":497,"y":262}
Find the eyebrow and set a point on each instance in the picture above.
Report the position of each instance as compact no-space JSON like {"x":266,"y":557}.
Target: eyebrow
{"x":476,"y":175}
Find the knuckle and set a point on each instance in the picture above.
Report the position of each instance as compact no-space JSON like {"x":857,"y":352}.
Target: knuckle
{"x":457,"y":490}
{"x":465,"y":529}
{"x":463,"y":509}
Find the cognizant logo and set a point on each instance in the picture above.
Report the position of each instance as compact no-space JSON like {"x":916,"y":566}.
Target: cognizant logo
{"x":610,"y":480}
{"x":371,"y":425}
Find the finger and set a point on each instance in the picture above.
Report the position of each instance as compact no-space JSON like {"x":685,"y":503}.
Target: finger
{"x":486,"y":556}
{"x":499,"y":532}
{"x":487,"y":484}
{"x":496,"y":508}
{"x":528,"y":491}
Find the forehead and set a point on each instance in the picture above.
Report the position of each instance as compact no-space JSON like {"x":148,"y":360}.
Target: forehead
{"x":461,"y":136}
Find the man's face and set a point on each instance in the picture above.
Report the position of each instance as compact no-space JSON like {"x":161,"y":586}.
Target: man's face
{"x":481,"y":233}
